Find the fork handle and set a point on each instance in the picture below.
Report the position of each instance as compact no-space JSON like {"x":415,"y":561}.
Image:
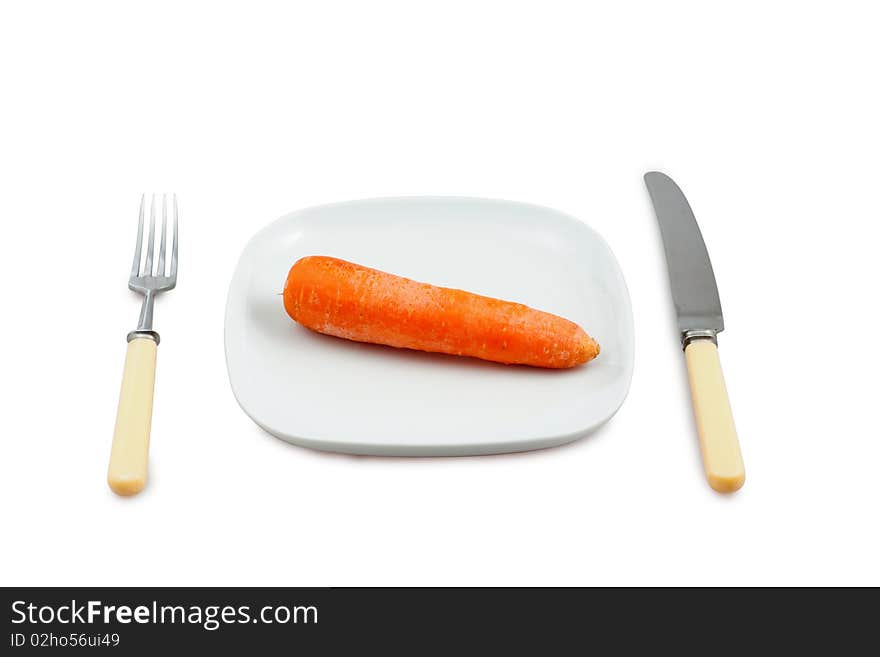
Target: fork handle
{"x":127,"y":474}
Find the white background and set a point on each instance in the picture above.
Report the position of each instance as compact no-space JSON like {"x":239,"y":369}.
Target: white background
{"x":767,"y":114}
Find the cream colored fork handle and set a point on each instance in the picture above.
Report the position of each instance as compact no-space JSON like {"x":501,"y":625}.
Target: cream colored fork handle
{"x":127,"y":474}
{"x":722,"y":459}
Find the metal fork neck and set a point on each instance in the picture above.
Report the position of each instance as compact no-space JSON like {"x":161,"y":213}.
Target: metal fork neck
{"x":145,"y":323}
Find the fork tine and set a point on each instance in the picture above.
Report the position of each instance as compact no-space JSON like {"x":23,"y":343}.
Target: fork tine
{"x":151,"y":239}
{"x":174,"y":243}
{"x":160,"y":267}
{"x":136,"y":264}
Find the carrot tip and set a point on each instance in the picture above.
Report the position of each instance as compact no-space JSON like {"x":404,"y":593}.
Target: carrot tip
{"x":591,"y":349}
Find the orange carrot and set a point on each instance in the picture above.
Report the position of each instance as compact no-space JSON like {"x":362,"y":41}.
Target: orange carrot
{"x":350,"y":301}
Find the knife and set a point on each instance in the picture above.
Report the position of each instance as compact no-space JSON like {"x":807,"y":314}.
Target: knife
{"x":698,"y":308}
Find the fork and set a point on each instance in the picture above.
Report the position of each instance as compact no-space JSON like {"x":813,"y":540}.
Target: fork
{"x":127,"y":474}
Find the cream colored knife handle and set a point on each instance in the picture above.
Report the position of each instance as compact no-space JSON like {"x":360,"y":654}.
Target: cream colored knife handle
{"x":127,"y":474}
{"x":722,"y":459}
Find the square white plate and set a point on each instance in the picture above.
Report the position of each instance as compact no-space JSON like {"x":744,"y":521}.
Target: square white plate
{"x":332,"y":394}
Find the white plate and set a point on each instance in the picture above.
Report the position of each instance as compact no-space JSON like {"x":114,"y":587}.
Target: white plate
{"x":332,"y":394}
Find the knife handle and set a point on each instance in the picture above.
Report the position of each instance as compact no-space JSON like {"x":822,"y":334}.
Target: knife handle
{"x":719,"y":444}
{"x":127,"y":474}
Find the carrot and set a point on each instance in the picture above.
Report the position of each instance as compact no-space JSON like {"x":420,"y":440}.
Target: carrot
{"x":350,"y":301}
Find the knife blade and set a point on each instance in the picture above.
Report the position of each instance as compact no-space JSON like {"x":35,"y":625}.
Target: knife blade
{"x":698,"y":310}
{"x":691,"y":277}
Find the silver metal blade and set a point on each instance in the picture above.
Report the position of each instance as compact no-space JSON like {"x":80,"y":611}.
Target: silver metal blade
{"x":694,"y":291}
